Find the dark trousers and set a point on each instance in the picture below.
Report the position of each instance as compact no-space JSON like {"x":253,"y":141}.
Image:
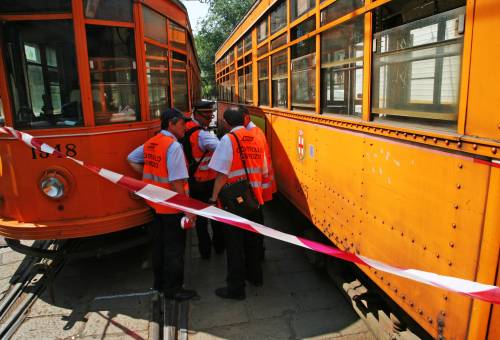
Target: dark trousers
{"x":169,"y":243}
{"x":244,"y":253}
{"x":202,"y":192}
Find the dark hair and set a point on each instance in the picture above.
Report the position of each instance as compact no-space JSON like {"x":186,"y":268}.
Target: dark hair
{"x":234,"y":115}
{"x":169,"y":115}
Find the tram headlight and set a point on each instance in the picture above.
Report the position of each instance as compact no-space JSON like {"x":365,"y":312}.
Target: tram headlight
{"x":52,"y":187}
{"x":55,"y":183}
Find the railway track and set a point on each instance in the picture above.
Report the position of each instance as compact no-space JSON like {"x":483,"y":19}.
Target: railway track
{"x":34,"y":276}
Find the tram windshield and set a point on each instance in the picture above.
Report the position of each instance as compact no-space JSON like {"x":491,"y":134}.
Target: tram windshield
{"x":42,"y":74}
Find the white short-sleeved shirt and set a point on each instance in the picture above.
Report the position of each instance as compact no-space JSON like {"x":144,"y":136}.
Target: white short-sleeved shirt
{"x":176,"y":161}
{"x":206,"y":140}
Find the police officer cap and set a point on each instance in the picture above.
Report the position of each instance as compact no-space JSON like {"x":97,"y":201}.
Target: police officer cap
{"x":234,"y":115}
{"x":171,"y":114}
{"x":204,"y":105}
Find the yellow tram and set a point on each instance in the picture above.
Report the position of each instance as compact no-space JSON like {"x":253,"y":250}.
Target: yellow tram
{"x":383,"y":122}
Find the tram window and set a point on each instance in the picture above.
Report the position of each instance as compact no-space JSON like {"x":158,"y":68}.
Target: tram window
{"x":113,"y":74}
{"x":300,"y":7}
{"x":115,"y":10}
{"x":30,"y":6}
{"x":240,"y":49}
{"x":262,"y":30}
{"x":241,"y":86}
{"x":177,"y":36}
{"x":230,"y":56}
{"x":303,"y":28}
{"x":247,"y":41}
{"x":279,"y":41}
{"x":158,"y":79}
{"x":279,"y":76}
{"x":303,"y":67}
{"x":339,"y":8}
{"x":155,"y":25}
{"x":263,"y":67}
{"x":342,"y":68}
{"x":233,"y":88}
{"x":248,"y":85}
{"x":179,"y":82}
{"x":416,"y":75}
{"x":278,"y":17}
{"x":43,"y":76}
{"x":262,"y":50}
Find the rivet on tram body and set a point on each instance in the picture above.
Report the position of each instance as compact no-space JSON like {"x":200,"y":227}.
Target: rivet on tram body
{"x":429,"y":319}
{"x":494,"y":150}
{"x":435,"y":140}
{"x":450,"y":263}
{"x":445,"y":297}
{"x":403,"y":297}
{"x":452,"y":245}
{"x":412,"y":304}
{"x":424,"y":247}
{"x":420,"y":311}
{"x":454,"y":225}
{"x":424,"y":138}
{"x":395,"y":290}
{"x":437,"y":255}
{"x":474,"y":146}
{"x":414,"y":136}
{"x":455,"y":206}
{"x":460,"y":165}
{"x":443,"y":313}
{"x":459,"y":144}
{"x":458,"y":186}
{"x":447,"y":142}
{"x":405,"y":134}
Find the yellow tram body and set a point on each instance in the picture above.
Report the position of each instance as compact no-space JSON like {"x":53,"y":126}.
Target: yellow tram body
{"x":414,"y":193}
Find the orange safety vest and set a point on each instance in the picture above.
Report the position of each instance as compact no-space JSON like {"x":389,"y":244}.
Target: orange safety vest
{"x":268,"y":181}
{"x":203,"y":173}
{"x":155,"y":168}
{"x":253,"y":152}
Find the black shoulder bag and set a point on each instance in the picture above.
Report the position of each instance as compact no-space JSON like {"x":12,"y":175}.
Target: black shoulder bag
{"x":238,"y":198}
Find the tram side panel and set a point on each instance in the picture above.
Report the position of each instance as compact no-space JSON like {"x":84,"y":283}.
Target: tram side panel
{"x":92,"y":205}
{"x":402,"y":204}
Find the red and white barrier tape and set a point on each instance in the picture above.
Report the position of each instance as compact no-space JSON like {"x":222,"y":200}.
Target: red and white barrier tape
{"x":171,"y":199}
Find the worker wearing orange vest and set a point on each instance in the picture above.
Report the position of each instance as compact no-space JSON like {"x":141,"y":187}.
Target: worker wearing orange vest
{"x":242,"y":247}
{"x":199,"y":146}
{"x":162,"y":162}
{"x":268,"y":182}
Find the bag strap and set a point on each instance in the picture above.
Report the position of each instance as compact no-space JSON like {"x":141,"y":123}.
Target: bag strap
{"x":189,"y":151}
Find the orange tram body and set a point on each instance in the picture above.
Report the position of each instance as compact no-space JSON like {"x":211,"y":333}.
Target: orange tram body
{"x":90,"y":78}
{"x":383,"y":120}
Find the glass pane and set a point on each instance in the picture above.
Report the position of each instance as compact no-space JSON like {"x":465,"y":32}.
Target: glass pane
{"x":158,"y":80}
{"x":241,"y":86}
{"x":248,"y":85}
{"x":299,"y":7}
{"x":302,"y":29}
{"x":155,"y":25}
{"x":240,"y":48}
{"x":279,"y":70}
{"x":43,"y":76}
{"x":247,"y":41}
{"x":303,"y":66}
{"x":262,"y":30}
{"x":115,"y":10}
{"x":342,"y":68}
{"x":339,"y":8}
{"x":177,"y":36}
{"x":279,"y":41}
{"x":262,"y":50}
{"x":113,"y":74}
{"x":278,"y":17}
{"x":34,"y":6}
{"x":416,"y":75}
{"x":233,"y":87}
{"x":263,"y":66}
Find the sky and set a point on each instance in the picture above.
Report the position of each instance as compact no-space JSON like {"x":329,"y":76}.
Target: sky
{"x":196,"y":10}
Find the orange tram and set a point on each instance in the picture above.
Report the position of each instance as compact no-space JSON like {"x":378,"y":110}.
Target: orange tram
{"x":384,"y":125}
{"x":90,"y":78}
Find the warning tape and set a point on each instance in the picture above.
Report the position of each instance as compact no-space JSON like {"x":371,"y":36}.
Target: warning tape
{"x":172,"y":199}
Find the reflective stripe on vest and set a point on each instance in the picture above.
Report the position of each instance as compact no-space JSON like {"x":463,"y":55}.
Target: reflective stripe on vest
{"x":241,"y":172}
{"x":156,"y":169}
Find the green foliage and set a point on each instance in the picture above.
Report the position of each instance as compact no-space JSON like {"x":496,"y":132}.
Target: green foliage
{"x":222,"y":17}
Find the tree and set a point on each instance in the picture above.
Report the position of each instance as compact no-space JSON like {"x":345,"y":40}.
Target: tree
{"x":222,"y":18}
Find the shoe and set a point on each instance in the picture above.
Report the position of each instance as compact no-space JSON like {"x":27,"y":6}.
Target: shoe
{"x":226,"y":294}
{"x":182,"y":294}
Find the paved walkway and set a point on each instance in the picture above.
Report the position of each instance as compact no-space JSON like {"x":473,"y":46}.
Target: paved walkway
{"x":105,"y":298}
